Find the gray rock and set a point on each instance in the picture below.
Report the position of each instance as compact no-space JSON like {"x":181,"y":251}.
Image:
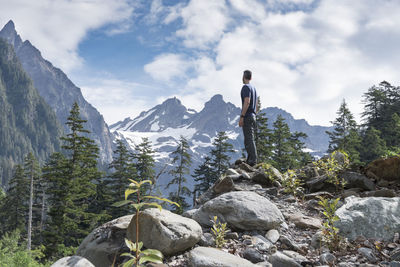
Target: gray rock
{"x":189,"y":213}
{"x":385,"y":192}
{"x":346,"y":264}
{"x":209,"y":257}
{"x":304,"y":222}
{"x":253,"y":255}
{"x":242,"y":210}
{"x":316,"y":195}
{"x":288,"y":243}
{"x":246,"y":186}
{"x":223,"y":185}
{"x":319,"y":183}
{"x":245,"y":176}
{"x":316,"y":241}
{"x":207,"y":240}
{"x":168,"y":232}
{"x":105,"y":242}
{"x":395,"y":255}
{"x":231,"y":172}
{"x":368,"y":254}
{"x":327,"y":258}
{"x":261,"y":178}
{"x":357,"y":180}
{"x":279,"y":259}
{"x":294,"y":255}
{"x":206,"y":196}
{"x":261,"y":243}
{"x":264,"y":264}
{"x":232,"y":235}
{"x":272,"y":235}
{"x":394,"y":264}
{"x":72,"y":261}
{"x":376,"y":218}
{"x":350,"y":192}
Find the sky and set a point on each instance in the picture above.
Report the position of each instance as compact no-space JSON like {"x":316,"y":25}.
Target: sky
{"x":128,"y":56}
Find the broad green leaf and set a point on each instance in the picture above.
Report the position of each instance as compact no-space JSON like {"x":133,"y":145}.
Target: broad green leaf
{"x":129,"y":192}
{"x":155,"y":252}
{"x":126,"y":254}
{"x":129,"y":244}
{"x":145,"y":182}
{"x":163,"y":199}
{"x":138,"y":206}
{"x":154,"y":205}
{"x":121,"y":203}
{"x":150,"y":258}
{"x":129,"y":263}
{"x":140,"y":245}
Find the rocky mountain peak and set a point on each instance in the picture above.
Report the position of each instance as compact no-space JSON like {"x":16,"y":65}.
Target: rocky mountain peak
{"x":10,"y":34}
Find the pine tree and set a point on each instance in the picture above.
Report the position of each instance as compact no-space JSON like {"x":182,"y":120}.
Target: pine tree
{"x":282,"y":146}
{"x":263,"y":136}
{"x":15,"y":208}
{"x":220,"y":154}
{"x":298,"y":157}
{"x":118,"y":180}
{"x":144,"y":162}
{"x":32,"y":172}
{"x":393,"y":131}
{"x":373,"y":146}
{"x":345,"y":134}
{"x":204,"y":176}
{"x":182,"y":161}
{"x":81,"y":203}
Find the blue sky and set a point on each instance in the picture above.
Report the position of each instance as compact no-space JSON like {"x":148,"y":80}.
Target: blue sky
{"x":127,"y":56}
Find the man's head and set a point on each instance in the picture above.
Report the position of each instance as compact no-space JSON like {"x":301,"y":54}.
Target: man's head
{"x":246,"y":76}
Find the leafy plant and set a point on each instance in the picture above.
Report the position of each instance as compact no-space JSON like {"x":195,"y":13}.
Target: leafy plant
{"x":331,"y":167}
{"x":219,"y":231}
{"x":292,"y":183}
{"x":268,"y":171}
{"x":148,"y":255}
{"x":330,"y":233}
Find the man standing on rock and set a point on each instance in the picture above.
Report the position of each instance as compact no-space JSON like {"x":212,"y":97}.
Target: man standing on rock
{"x":248,"y":117}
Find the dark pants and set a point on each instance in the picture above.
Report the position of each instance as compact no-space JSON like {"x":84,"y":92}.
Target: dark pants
{"x":249,"y":132}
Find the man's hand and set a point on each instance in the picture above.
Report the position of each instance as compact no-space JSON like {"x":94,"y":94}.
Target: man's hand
{"x":241,"y":122}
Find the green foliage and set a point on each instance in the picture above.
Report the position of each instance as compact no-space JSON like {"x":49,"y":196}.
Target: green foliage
{"x":373,"y":146}
{"x":292,"y":183}
{"x":330,"y":233}
{"x":219,"y":231}
{"x":149,"y":255}
{"x":220,"y":154}
{"x":263,"y":137}
{"x":182,"y":158}
{"x":331,"y":167}
{"x":345,"y":135}
{"x":268,"y":171}
{"x":13,"y":254}
{"x":204,"y":176}
{"x":27,"y":122}
{"x":288,"y":148}
{"x":144,"y":163}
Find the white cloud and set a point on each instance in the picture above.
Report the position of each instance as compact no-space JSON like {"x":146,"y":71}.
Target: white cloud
{"x":204,"y":22}
{"x":56,"y":27}
{"x":303,"y":61}
{"x":117,"y":99}
{"x":166,"y":67}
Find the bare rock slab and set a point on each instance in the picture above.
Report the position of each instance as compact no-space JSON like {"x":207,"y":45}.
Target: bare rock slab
{"x":243,"y":210}
{"x":211,"y":257}
{"x":165,"y":231}
{"x":72,"y":261}
{"x":371,"y":217}
{"x":104,"y":243}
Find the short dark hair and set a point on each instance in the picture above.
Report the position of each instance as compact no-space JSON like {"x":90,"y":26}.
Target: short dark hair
{"x":247,"y":74}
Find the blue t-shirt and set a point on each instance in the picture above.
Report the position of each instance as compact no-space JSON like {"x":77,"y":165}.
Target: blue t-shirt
{"x":248,"y":90}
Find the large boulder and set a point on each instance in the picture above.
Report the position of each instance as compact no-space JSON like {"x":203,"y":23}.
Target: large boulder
{"x":165,"y":231}
{"x":72,"y":261}
{"x":386,"y":169}
{"x":372,"y":217}
{"x":244,"y":210}
{"x":209,"y":257}
{"x":104,"y":243}
{"x":357,"y":180}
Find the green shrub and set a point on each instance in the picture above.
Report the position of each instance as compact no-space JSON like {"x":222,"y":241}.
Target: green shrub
{"x":291,"y":183}
{"x":219,"y":231}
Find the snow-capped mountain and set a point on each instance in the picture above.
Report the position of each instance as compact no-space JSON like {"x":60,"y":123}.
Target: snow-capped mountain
{"x":165,"y":123}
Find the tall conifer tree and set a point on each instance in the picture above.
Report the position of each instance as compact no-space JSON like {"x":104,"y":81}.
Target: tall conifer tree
{"x":220,"y":154}
{"x":263,"y":136}
{"x":204,"y":176}
{"x":181,"y":161}
{"x":281,"y":144}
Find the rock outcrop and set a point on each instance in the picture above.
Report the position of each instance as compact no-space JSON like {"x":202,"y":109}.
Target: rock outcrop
{"x":105,"y":243}
{"x":165,"y":231}
{"x":372,"y":217}
{"x":73,"y":261}
{"x":207,"y":257}
{"x":384,"y":169}
{"x":243,"y":210}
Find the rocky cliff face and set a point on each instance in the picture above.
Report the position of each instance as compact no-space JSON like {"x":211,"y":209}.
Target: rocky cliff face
{"x":58,"y":91}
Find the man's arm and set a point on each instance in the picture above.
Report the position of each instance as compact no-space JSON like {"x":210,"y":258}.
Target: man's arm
{"x":246,"y":105}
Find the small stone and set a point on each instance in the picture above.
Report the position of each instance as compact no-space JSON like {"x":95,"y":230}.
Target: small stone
{"x":395,"y":256}
{"x":396,"y":238}
{"x":394,"y":264}
{"x":305,"y":222}
{"x":261,"y":243}
{"x":327,"y":258}
{"x":367,"y":253}
{"x":294,"y":255}
{"x":247,"y":242}
{"x":231,"y":172}
{"x":276,"y":184}
{"x":316,"y":241}
{"x":253,"y":255}
{"x":246,"y":237}
{"x":288,"y":243}
{"x":281,"y":260}
{"x":392,"y":245}
{"x":232,"y":235}
{"x":207,"y":240}
{"x":346,"y":264}
{"x":273,"y":236}
{"x":264,"y":264}
{"x":245,"y":176}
